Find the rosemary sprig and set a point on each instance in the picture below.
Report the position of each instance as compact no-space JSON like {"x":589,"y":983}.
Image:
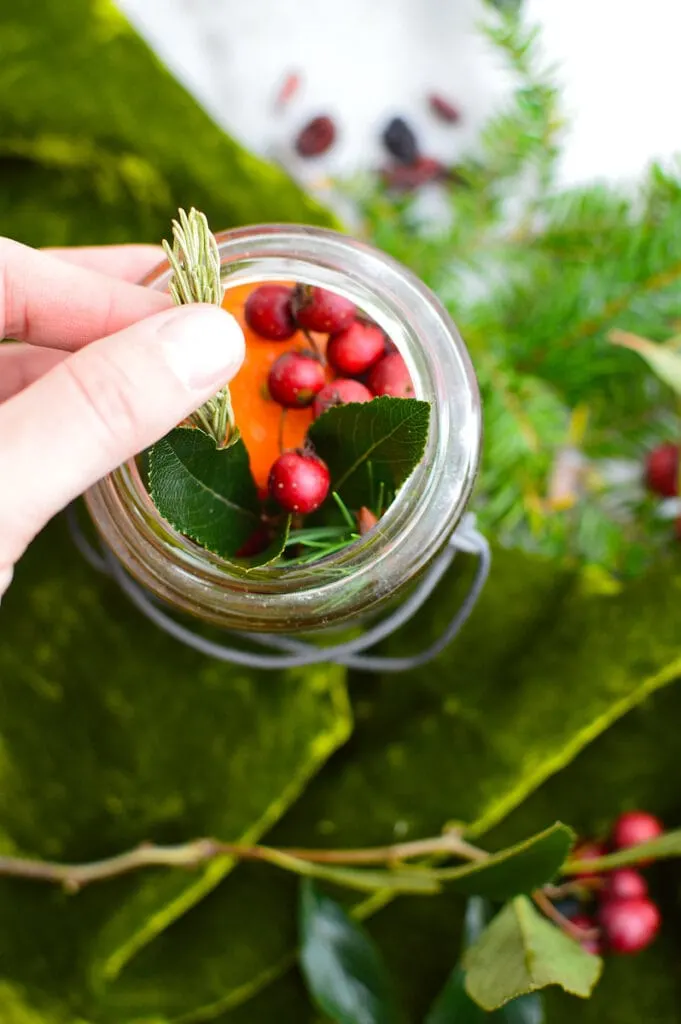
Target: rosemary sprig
{"x":195,"y":261}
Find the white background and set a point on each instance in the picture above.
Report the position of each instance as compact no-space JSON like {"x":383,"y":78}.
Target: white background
{"x":363,"y":61}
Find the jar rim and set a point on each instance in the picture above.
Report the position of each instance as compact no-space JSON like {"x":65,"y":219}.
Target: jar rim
{"x":425,"y":510}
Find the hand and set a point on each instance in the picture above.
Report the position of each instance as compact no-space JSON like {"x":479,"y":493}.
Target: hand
{"x":101,"y":368}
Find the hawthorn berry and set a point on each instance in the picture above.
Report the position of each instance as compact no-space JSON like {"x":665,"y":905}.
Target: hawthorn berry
{"x":443,"y":109}
{"x":662,"y":470}
{"x":589,"y":850}
{"x":268,"y":312}
{"x":593,"y":944}
{"x":340,"y":392}
{"x":390,"y":376}
{"x":629,"y":925}
{"x":299,"y":481}
{"x":411,"y":176}
{"x":256,"y":543}
{"x":316,"y":137}
{"x":316,"y":309}
{"x":624,"y":884}
{"x":400,"y":141}
{"x":295,"y":378}
{"x":634,"y":827}
{"x":356,"y":349}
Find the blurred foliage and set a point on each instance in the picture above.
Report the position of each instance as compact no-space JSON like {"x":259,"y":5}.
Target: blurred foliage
{"x":552,"y":703}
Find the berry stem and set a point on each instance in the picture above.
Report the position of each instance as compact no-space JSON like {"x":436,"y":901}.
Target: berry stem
{"x":313,"y":344}
{"x":564,"y":923}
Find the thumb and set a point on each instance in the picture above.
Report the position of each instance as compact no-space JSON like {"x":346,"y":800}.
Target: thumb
{"x":103,"y":405}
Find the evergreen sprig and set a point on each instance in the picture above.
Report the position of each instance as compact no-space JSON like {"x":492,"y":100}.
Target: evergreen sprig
{"x":536,"y":278}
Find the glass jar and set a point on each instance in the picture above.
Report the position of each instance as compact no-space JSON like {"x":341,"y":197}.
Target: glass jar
{"x":371,"y":571}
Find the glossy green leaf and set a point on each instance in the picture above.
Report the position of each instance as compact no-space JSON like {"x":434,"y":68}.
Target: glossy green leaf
{"x":522,"y":952}
{"x":370,"y":444}
{"x":342,"y":967}
{"x":663,"y":848}
{"x":454,"y":1005}
{"x":205,"y":492}
{"x":663,"y":358}
{"x":519,"y":869}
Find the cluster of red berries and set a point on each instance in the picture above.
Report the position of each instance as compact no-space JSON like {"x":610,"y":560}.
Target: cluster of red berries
{"x":626,"y":919}
{"x":662,"y":473}
{"x":364,"y":363}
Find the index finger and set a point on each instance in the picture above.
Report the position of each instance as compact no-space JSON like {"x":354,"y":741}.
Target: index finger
{"x":49,"y":301}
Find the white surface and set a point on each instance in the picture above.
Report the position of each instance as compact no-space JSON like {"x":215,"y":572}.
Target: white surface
{"x":363,"y":61}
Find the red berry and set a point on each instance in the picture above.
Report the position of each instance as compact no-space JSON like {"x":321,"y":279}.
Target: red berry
{"x":635,"y":827}
{"x":356,"y":349}
{"x":588,"y":851}
{"x":391,"y":377}
{"x":256,"y":543}
{"x":592,"y":945}
{"x":295,"y":378}
{"x":624,"y":884}
{"x":629,"y":925}
{"x":443,"y":109}
{"x":299,"y":481}
{"x":340,"y":392}
{"x":316,"y":137}
{"x":662,"y":470}
{"x":405,"y":177}
{"x":268,"y":312}
{"x":317,"y":309}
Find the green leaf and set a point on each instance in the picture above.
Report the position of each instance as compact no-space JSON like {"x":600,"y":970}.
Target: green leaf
{"x":519,"y":869}
{"x":522,"y":952}
{"x":664,"y":358}
{"x":664,"y":848}
{"x":204,"y":492}
{"x":342,"y":967}
{"x":371,"y":443}
{"x":454,"y":1005}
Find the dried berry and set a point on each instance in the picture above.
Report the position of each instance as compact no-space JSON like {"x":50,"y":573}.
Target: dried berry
{"x":662,"y":470}
{"x":390,"y":376}
{"x":316,"y":137}
{"x":268,"y":312}
{"x":340,"y":392}
{"x":422,"y":172}
{"x":400,"y":141}
{"x":299,"y":482}
{"x":443,"y":109}
{"x":295,"y":378}
{"x":355,"y":350}
{"x":629,"y":925}
{"x":316,"y":309}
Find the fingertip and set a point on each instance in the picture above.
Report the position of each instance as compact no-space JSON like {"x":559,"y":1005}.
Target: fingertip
{"x":203,"y":344}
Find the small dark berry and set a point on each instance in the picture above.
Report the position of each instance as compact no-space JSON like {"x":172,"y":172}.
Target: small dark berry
{"x":589,"y":851}
{"x":340,"y":392}
{"x":443,"y":109}
{"x":400,"y":141}
{"x":624,"y":884}
{"x":366,"y":520}
{"x":422,"y":172}
{"x":316,"y":309}
{"x":662,"y":470}
{"x":295,"y":378}
{"x":635,"y":827}
{"x":356,"y":349}
{"x":593,"y":944}
{"x":267,"y":312}
{"x":316,"y":137}
{"x":629,"y":925}
{"x":299,"y":482}
{"x":390,"y":376}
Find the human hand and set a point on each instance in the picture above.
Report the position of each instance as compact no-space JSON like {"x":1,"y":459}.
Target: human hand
{"x":101,"y":368}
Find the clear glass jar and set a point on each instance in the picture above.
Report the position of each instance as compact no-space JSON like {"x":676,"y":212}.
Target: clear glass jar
{"x":371,"y":571}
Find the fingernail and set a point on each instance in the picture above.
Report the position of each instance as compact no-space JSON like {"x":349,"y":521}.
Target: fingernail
{"x":204,"y":345}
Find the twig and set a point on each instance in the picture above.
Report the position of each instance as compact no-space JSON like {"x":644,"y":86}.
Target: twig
{"x":564,"y":923}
